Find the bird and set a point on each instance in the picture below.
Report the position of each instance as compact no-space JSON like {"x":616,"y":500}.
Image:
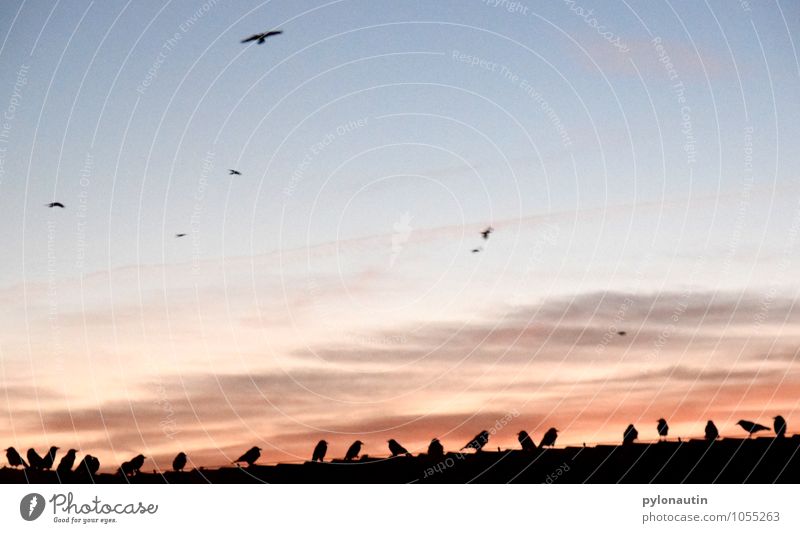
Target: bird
{"x":663,"y":428}
{"x":66,"y":463}
{"x":54,"y":204}
{"x":751,"y":427}
{"x":353,"y":451}
{"x":132,"y":467}
{"x":179,"y":462}
{"x":630,"y":434}
{"x":485,"y":233}
{"x":526,"y":441}
{"x":549,"y":438}
{"x":250,"y":456}
{"x":179,"y":235}
{"x":90,"y":464}
{"x":319,"y":451}
{"x":396,"y":448}
{"x":49,"y":458}
{"x":34,"y":459}
{"x":712,"y":433}
{"x":435,"y":449}
{"x":232,"y":172}
{"x":476,"y":250}
{"x":14,"y":458}
{"x":261,"y":37}
{"x":622,"y":333}
{"x":478,"y":441}
{"x":779,"y":425}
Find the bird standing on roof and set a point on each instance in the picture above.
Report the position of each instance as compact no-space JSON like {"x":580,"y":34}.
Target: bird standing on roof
{"x":319,"y":451}
{"x":14,"y":458}
{"x":396,"y":448}
{"x":751,"y":427}
{"x":663,"y":428}
{"x":525,"y":441}
{"x":250,"y":456}
{"x":353,"y":451}
{"x":549,"y":438}
{"x":712,"y":433}
{"x":435,"y":449}
{"x":630,"y":435}
{"x":34,"y":459}
{"x":179,"y":463}
{"x":67,"y":462}
{"x":49,"y":458}
{"x":478,"y":441}
{"x":779,"y":425}
{"x":90,"y":465}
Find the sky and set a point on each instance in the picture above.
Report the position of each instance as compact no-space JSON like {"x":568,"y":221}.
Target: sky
{"x":636,"y":160}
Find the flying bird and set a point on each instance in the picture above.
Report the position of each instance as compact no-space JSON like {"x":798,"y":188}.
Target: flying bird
{"x":478,"y":441}
{"x":66,"y":463}
{"x":435,"y":449}
{"x":50,"y":458}
{"x":250,"y":456}
{"x":526,"y":441}
{"x":476,"y":250}
{"x":34,"y":459}
{"x":319,"y":451}
{"x":14,"y":458}
{"x":396,"y":448}
{"x":485,"y":233}
{"x":261,"y":37}
{"x":630,"y":434}
{"x":90,"y":464}
{"x":549,"y":438}
{"x":55,"y":204}
{"x":751,"y":427}
{"x":622,"y":333}
{"x":779,"y":425}
{"x":232,"y":172}
{"x":663,"y":428}
{"x":179,"y":463}
{"x":353,"y":451}
{"x":712,"y":433}
{"x":179,"y":235}
{"x":132,"y":467}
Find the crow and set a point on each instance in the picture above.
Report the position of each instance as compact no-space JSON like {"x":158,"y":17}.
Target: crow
{"x":250,"y":456}
{"x":90,"y":464}
{"x":14,"y":458}
{"x":232,"y":172}
{"x":779,"y":425}
{"x":630,"y":435}
{"x":478,"y":442}
{"x":397,"y":449}
{"x":179,"y":463}
{"x":485,"y":233}
{"x":50,"y":458}
{"x":622,"y":333}
{"x":476,"y":250}
{"x":319,"y":451}
{"x":712,"y":433}
{"x":549,"y":438}
{"x":751,"y":427}
{"x":34,"y":459}
{"x":132,"y":467}
{"x":261,"y":37}
{"x":526,"y":441}
{"x":663,"y":428}
{"x":353,"y":451}
{"x":54,"y":204}
{"x":66,"y":463}
{"x":179,"y":235}
{"x":435,"y":449}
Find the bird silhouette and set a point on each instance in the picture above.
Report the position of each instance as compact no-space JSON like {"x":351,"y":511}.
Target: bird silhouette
{"x":396,"y":448}
{"x":49,"y":458}
{"x":55,"y":204}
{"x":549,"y":438}
{"x":478,"y":441}
{"x":622,"y":333}
{"x":89,"y":465}
{"x":179,"y":463}
{"x":250,"y":456}
{"x":485,"y":233}
{"x":179,"y":235}
{"x":435,"y":449}
{"x":232,"y":172}
{"x":261,"y":37}
{"x":751,"y":427}
{"x":67,"y":462}
{"x":663,"y":428}
{"x":132,"y":467}
{"x":630,"y":435}
{"x":14,"y":458}
{"x":526,"y":441}
{"x":319,"y":451}
{"x":712,"y":433}
{"x":353,"y":451}
{"x":779,"y":425}
{"x":34,"y":459}
{"x":476,"y":250}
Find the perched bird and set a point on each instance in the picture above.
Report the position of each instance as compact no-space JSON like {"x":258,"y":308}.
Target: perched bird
{"x":712,"y":433}
{"x":353,"y":451}
{"x":66,"y":463}
{"x":478,"y":441}
{"x":476,"y":250}
{"x":132,"y":467}
{"x":663,"y":428}
{"x":751,"y":427}
{"x":319,"y":451}
{"x":549,"y":438}
{"x":34,"y":459}
{"x":232,"y":172}
{"x":179,"y":235}
{"x":50,"y":458}
{"x":435,"y":449}
{"x":779,"y":425}
{"x":89,"y":465}
{"x":179,"y":463}
{"x":396,"y":448}
{"x":485,"y":233}
{"x":526,"y":441}
{"x":55,"y":204}
{"x":14,"y":458}
{"x":630,"y":435}
{"x":261,"y":37}
{"x":250,"y":456}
